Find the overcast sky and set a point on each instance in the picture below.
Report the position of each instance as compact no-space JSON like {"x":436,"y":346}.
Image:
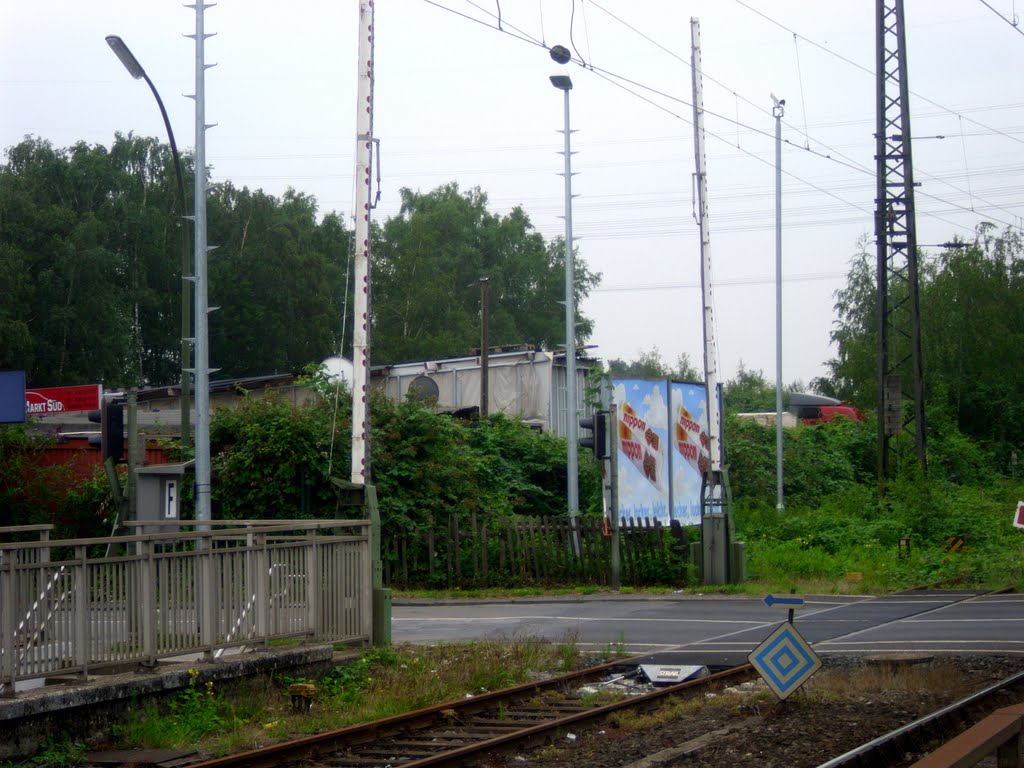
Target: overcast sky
{"x":459,"y":100}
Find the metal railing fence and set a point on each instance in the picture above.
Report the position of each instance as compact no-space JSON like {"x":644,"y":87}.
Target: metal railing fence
{"x":69,"y":607}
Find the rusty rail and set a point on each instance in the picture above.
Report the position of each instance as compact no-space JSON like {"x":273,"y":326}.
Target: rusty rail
{"x":446,"y":734}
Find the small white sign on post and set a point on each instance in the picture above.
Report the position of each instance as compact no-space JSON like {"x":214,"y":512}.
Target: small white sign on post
{"x":1018,"y":515}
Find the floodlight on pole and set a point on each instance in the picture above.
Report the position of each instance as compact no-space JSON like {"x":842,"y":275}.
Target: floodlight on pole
{"x":127,"y":58}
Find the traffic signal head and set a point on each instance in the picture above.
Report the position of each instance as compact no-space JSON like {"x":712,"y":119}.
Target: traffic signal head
{"x":111,"y":421}
{"x":597,"y":441}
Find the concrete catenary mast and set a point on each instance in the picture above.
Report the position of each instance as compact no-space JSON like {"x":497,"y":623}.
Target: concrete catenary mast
{"x":361,"y":302}
{"x":714,"y":511}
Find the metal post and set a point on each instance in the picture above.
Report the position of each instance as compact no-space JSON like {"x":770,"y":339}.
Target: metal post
{"x":202,"y":346}
{"x":361,"y":302}
{"x":134,"y":453}
{"x":777,"y":112}
{"x":8,"y":622}
{"x":563,"y":83}
{"x":610,"y":467}
{"x":485,"y":316}
{"x":147,"y":594}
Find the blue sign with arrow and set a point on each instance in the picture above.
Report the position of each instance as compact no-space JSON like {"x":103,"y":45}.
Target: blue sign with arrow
{"x":784,"y":601}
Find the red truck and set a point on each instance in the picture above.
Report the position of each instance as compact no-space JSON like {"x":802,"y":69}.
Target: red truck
{"x":815,"y":409}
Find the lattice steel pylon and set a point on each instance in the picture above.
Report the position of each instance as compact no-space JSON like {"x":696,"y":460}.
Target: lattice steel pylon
{"x":900,"y":364}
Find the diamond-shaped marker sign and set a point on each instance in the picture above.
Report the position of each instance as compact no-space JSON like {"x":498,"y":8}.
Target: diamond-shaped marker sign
{"x":785,"y":660}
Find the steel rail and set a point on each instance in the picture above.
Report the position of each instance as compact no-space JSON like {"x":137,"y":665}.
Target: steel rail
{"x":321,"y":747}
{"x":878,"y":751}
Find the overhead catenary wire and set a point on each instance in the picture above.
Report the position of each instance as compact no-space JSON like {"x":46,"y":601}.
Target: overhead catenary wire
{"x":967,"y":172}
{"x":613,"y":78}
{"x":853,"y":164}
{"x":800,"y":80}
{"x":870,"y":72}
{"x":720,"y":84}
{"x":1012,"y":22}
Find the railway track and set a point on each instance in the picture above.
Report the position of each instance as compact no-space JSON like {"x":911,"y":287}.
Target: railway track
{"x":527,"y":716}
{"x":926,"y":732}
{"x":451,"y":733}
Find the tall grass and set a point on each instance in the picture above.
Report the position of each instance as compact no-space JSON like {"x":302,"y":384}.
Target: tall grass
{"x":380,"y":683}
{"x":853,"y":531}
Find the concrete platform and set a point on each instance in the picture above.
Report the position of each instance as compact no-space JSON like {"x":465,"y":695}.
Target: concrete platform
{"x":84,"y":710}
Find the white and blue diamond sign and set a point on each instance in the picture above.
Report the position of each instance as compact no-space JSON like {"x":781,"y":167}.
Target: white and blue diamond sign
{"x":785,"y":660}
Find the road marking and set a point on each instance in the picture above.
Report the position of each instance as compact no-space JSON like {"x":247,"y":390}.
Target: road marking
{"x":957,"y":621}
{"x":942,"y":606}
{"x":583,"y":618}
{"x":918,"y":642}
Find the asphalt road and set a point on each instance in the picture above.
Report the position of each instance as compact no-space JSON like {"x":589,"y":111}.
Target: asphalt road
{"x":722,"y":630}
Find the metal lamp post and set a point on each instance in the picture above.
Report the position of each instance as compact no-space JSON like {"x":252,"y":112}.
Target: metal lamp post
{"x":564,"y":84}
{"x":135,"y":69}
{"x":777,"y":112}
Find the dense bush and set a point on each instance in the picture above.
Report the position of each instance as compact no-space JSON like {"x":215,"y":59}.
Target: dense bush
{"x":270,"y":459}
{"x":835,"y":522}
{"x":817,"y":461}
{"x":32,"y":492}
{"x":273,"y":459}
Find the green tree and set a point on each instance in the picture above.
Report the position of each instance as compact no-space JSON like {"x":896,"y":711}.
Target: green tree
{"x":748,"y":392}
{"x":649,"y":364}
{"x":278,"y":276}
{"x":86,"y":234}
{"x":427,"y":263}
{"x":274,"y":459}
{"x":972,"y":335}
{"x":853,"y":373}
{"x":91,"y":241}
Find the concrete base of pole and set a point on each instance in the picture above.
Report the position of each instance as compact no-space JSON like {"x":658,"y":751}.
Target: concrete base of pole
{"x":714,"y":535}
{"x":738,"y":562}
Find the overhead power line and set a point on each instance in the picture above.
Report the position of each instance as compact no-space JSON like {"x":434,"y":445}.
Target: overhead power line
{"x":621,"y":81}
{"x":862,"y":68}
{"x":1012,"y":22}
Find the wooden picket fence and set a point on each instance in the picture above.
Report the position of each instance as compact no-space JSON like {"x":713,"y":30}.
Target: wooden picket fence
{"x":540,"y":551}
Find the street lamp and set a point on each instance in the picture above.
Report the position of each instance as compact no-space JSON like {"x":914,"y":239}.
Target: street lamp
{"x":135,"y":69}
{"x":564,"y":84}
{"x":777,"y":112}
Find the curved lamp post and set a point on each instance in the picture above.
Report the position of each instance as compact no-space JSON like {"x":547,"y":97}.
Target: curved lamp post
{"x":135,"y":70}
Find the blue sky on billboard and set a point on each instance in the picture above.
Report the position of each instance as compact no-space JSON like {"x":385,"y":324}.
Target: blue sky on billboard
{"x":457,"y":99}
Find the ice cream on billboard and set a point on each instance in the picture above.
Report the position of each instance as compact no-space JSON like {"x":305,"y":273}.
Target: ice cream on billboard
{"x":642,"y":446}
{"x":692,"y":441}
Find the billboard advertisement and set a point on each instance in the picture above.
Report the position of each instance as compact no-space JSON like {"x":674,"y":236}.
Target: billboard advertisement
{"x":690,"y":449}
{"x":44,"y":401}
{"x":662,"y":448}
{"x":12,"y":397}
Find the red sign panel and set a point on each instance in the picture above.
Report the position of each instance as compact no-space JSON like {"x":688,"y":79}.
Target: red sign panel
{"x":1018,"y":517}
{"x":42,"y":402}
